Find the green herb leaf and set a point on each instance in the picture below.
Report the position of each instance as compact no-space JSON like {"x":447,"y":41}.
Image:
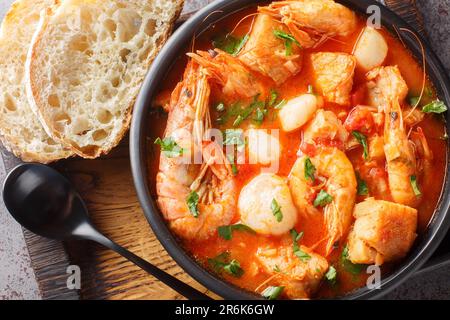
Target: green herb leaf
{"x":415,"y":186}
{"x":280,"y":104}
{"x":234,"y":168}
{"x":310,"y":170}
{"x":260,"y":115}
{"x":222,"y":263}
{"x":234,"y":268}
{"x":322,"y":199}
{"x":219,"y":261}
{"x":226,"y":232}
{"x":288,"y":40}
{"x":436,"y":106}
{"x":230,"y":43}
{"x":296,"y":236}
{"x":169,"y":147}
{"x":192,"y":203}
{"x":272,"y":293}
{"x":273,"y":97}
{"x":238,"y":121}
{"x":276,"y":210}
{"x":362,"y":139}
{"x":234,"y":137}
{"x":331,"y":275}
{"x":302,"y":255}
{"x":276,"y":268}
{"x":363,"y":189}
{"x":350,"y":267}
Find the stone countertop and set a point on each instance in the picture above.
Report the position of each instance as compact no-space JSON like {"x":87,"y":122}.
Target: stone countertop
{"x":17,"y":280}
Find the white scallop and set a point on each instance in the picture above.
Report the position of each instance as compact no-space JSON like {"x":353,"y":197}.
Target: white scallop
{"x":371,"y":49}
{"x":296,"y":112}
{"x":255,"y":205}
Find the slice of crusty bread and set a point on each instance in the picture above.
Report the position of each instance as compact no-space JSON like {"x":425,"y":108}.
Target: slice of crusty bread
{"x":20,"y":130}
{"x":87,"y":63}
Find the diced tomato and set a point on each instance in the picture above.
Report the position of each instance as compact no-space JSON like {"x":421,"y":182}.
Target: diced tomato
{"x":308,"y":148}
{"x":360,"y":120}
{"x":330,"y":143}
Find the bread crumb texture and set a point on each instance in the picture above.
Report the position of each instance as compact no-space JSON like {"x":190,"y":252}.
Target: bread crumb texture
{"x":87,"y":64}
{"x":20,"y":130}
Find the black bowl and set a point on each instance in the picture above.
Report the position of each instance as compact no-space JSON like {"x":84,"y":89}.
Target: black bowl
{"x":428,"y":241}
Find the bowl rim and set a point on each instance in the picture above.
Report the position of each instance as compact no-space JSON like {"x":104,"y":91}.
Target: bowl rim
{"x":202,"y":20}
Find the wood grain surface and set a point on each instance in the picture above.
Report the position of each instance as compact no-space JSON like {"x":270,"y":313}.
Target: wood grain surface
{"x":107,"y":187}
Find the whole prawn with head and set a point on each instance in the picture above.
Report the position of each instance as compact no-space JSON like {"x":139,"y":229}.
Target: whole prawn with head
{"x":195,"y":198}
{"x":400,"y":157}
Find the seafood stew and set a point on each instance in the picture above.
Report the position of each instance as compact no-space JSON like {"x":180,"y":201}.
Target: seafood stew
{"x":297,"y":152}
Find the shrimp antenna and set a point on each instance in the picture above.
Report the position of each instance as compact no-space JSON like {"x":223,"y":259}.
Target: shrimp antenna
{"x":424,"y":66}
{"x":242,"y":20}
{"x":195,"y":33}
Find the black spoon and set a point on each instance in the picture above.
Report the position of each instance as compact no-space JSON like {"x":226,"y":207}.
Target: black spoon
{"x":44,"y":202}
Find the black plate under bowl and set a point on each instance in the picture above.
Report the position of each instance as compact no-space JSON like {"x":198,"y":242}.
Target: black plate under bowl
{"x":426,"y":244}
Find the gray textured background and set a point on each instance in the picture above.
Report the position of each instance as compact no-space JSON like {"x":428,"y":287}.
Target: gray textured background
{"x":17,"y":279}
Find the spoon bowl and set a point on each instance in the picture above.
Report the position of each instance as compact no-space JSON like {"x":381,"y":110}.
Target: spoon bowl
{"x":44,"y":201}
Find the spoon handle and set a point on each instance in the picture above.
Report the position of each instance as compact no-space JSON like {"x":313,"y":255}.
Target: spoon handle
{"x":177,"y":285}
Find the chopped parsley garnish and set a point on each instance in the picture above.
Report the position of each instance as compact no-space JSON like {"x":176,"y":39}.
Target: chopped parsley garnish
{"x":234,"y":168}
{"x":415,"y":185}
{"x":192,"y":203}
{"x":273,"y":97}
{"x":272,"y":293}
{"x":354,"y":269}
{"x":280,"y":104}
{"x":276,"y":210}
{"x":288,"y":40}
{"x":169,"y":147}
{"x":331,"y":275}
{"x":222,"y":263}
{"x":226,"y":232}
{"x":238,"y":121}
{"x":276,"y":268}
{"x":323,"y":198}
{"x":230,"y":43}
{"x":362,"y":139}
{"x":363,"y":189}
{"x":260,"y":115}
{"x":234,"y":268}
{"x":302,"y":255}
{"x":310,"y":170}
{"x":234,"y":137}
{"x":436,"y":106}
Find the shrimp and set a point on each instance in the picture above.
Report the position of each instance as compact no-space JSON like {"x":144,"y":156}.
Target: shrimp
{"x":424,"y":157}
{"x":178,"y":177}
{"x":400,"y":158}
{"x":229,"y":72}
{"x":300,"y":278}
{"x":313,"y":21}
{"x":264,"y":52}
{"x":325,"y":127}
{"x":334,"y":166}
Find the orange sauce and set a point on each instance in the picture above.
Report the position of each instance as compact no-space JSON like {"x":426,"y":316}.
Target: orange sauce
{"x":244,"y":245}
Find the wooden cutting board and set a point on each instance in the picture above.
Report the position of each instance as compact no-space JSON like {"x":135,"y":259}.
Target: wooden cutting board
{"x":107,"y":187}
